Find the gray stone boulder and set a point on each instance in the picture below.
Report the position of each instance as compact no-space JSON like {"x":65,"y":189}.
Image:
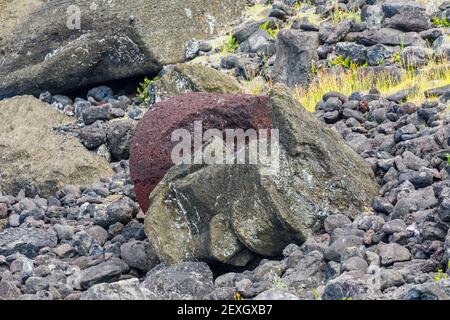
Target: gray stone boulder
{"x":372,"y":15}
{"x":45,"y":49}
{"x":276,"y":294}
{"x":194,"y":77}
{"x":296,"y":51}
{"x":350,"y":285}
{"x":34,"y":157}
{"x":27,"y":241}
{"x":407,"y":19}
{"x":356,"y":52}
{"x":415,"y":57}
{"x":439,"y":290}
{"x":389,"y":36}
{"x":185,"y":281}
{"x":378,"y":53}
{"x":441,"y":46}
{"x":103,"y":272}
{"x":118,"y":135}
{"x":393,"y":252}
{"x":394,"y":7}
{"x":9,"y":290}
{"x":139,"y":255}
{"x":121,"y":290}
{"x":447,"y":246}
{"x":227,"y":212}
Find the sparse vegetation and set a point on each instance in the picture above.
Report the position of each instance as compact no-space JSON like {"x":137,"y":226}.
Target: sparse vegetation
{"x":444,"y":23}
{"x":306,"y":10}
{"x":277,"y":282}
{"x":271,"y":32}
{"x":440,"y":276}
{"x":144,"y":88}
{"x":347,"y":63}
{"x":447,"y":155}
{"x":230,"y":45}
{"x":257,"y":86}
{"x":436,"y":73}
{"x":258,"y":11}
{"x":397,"y":58}
{"x":338,"y":16}
{"x":316,"y":294}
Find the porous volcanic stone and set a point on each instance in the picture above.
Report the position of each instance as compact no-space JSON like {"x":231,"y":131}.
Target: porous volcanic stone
{"x":151,"y":145}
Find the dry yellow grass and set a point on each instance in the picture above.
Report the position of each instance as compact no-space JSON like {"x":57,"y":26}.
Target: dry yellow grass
{"x":257,"y":12}
{"x":435,"y":74}
{"x":431,"y":5}
{"x":257,"y":86}
{"x":310,"y":14}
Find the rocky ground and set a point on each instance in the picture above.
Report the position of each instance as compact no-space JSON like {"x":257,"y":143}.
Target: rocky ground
{"x":78,"y":232}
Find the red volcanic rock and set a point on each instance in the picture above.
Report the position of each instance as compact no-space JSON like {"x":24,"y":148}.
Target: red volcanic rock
{"x":151,"y":145}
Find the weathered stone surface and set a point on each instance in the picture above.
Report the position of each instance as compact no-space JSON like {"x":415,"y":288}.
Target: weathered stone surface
{"x":185,"y":281}
{"x":108,"y":46}
{"x":266,"y":212}
{"x":393,"y":252}
{"x":439,"y":290}
{"x":394,"y":7}
{"x":8,"y":290}
{"x":118,"y":135}
{"x":410,"y":19}
{"x":103,"y":272}
{"x":27,"y":241}
{"x":151,"y":145}
{"x":295,"y":52}
{"x":194,"y":77}
{"x":349,"y":285}
{"x":139,"y":255}
{"x":121,"y":290}
{"x":389,"y":36}
{"x":35,"y":158}
{"x":276,"y":294}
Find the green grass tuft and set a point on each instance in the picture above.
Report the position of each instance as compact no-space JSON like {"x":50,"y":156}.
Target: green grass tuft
{"x":231,"y":45}
{"x":271,"y":32}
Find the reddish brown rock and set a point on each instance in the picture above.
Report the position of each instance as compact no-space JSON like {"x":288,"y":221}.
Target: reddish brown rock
{"x":151,"y":145}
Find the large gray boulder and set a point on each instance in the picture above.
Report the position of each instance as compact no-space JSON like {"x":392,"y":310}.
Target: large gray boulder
{"x":185,"y":281}
{"x":194,"y":77}
{"x":27,"y":241}
{"x":116,"y":39}
{"x":409,"y":20}
{"x":38,"y":159}
{"x":389,"y":36}
{"x":120,"y":290}
{"x":296,"y":51}
{"x":227,"y":213}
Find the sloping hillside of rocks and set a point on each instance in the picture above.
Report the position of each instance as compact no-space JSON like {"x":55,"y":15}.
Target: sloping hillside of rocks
{"x":92,"y":208}
{"x":48,"y":50}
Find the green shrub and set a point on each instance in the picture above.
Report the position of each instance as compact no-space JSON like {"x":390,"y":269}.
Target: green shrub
{"x":144,"y":88}
{"x":271,"y":32}
{"x":231,"y":45}
{"x":444,"y":23}
{"x":347,"y":63}
{"x":440,"y":275}
{"x":447,"y":155}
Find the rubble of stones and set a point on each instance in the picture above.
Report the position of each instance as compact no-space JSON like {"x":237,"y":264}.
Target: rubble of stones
{"x":88,"y":242}
{"x":104,"y":121}
{"x":390,"y":34}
